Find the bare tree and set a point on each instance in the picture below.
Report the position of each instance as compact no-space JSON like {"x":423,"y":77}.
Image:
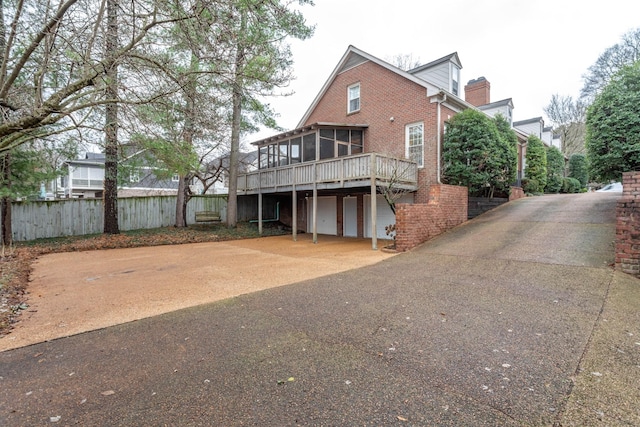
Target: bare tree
{"x":110,"y":196}
{"x":612,"y":60}
{"x":405,"y":61}
{"x":568,"y":117}
{"x":54,"y":71}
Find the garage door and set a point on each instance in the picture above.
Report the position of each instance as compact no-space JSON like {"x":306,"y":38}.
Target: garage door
{"x":350,"y":216}
{"x":327,"y":216}
{"x":385,"y":214}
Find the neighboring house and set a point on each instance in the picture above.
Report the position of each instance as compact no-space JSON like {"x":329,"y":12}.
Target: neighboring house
{"x":371,"y":126}
{"x":533,"y":126}
{"x":557,"y":141}
{"x":83,"y":178}
{"x":248,"y":162}
{"x":142,"y":181}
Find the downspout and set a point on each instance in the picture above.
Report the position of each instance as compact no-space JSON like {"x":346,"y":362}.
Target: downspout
{"x":439,"y":138}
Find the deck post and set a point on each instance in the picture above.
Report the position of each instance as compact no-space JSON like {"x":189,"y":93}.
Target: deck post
{"x":260,"y":213}
{"x":294,"y":216}
{"x":374,"y":206}
{"x":315,"y":213}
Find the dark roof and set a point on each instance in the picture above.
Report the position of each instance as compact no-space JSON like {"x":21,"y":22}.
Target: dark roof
{"x":95,"y":156}
{"x":243,"y":158}
{"x":452,"y":57}
{"x":500,"y":103}
{"x":528,"y":121}
{"x":303,"y":129}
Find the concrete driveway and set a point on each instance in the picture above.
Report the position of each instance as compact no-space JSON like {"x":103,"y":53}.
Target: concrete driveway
{"x":515,"y":318}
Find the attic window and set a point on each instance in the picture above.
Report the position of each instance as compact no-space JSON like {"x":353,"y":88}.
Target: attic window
{"x":353,"y":94}
{"x":455,"y":80}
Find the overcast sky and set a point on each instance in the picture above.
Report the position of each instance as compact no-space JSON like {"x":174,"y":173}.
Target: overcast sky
{"x":527,"y":50}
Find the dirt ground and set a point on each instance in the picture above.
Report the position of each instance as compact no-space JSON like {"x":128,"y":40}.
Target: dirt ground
{"x":75,"y":292}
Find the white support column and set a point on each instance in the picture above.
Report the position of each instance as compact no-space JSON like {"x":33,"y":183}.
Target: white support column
{"x":374,"y":205}
{"x":294,"y":216}
{"x":315,"y":213}
{"x":315,"y":197}
{"x":260,"y":214}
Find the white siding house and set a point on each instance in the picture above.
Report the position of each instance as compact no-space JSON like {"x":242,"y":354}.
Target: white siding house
{"x":534,"y":126}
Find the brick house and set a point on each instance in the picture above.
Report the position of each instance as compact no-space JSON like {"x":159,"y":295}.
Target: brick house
{"x":371,"y":127}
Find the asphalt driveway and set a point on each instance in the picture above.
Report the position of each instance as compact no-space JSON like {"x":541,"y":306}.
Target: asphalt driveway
{"x":515,"y":318}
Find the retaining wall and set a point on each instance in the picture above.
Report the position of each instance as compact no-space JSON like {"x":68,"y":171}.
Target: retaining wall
{"x":416,"y":223}
{"x":628,"y":225}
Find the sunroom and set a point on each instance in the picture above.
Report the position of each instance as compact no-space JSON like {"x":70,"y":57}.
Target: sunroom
{"x":325,"y":160}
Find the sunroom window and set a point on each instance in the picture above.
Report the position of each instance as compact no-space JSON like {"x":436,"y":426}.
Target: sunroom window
{"x":324,"y":143}
{"x":309,"y":147}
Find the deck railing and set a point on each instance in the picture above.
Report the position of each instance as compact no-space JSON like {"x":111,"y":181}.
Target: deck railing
{"x":348,"y":171}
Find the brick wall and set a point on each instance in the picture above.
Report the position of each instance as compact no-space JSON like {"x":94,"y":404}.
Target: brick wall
{"x":516,"y":193}
{"x":417,"y":223}
{"x":388,"y":102}
{"x":628,"y":225}
{"x":478,"y":92}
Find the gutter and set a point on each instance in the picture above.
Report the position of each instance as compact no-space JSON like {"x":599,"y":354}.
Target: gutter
{"x":439,"y":137}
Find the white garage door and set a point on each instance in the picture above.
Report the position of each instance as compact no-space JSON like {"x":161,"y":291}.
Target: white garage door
{"x":385,"y":214}
{"x":350,"y":216}
{"x":327,"y":216}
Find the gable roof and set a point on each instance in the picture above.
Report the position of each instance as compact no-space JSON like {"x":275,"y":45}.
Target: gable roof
{"x":354,"y":57}
{"x":528,"y":121}
{"x":452,"y":57}
{"x":501,"y":103}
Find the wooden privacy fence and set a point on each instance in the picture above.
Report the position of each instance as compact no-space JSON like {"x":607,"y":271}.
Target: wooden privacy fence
{"x":72,"y":217}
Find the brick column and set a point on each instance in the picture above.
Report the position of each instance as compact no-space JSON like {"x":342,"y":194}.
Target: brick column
{"x":628,"y":225}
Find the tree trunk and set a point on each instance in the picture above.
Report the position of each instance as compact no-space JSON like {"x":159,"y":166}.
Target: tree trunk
{"x":232,"y":201}
{"x":181,"y":203}
{"x":110,"y":196}
{"x":189,"y":130}
{"x":5,"y":203}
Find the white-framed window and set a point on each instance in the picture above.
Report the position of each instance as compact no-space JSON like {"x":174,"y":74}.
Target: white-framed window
{"x":455,"y":80}
{"x":414,"y":142}
{"x":175,"y":178}
{"x":353,"y":96}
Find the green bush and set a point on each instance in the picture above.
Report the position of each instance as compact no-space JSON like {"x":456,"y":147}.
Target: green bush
{"x":478,"y":155}
{"x":555,"y":170}
{"x":536,"y":170}
{"x":579,"y":169}
{"x":613,"y":127}
{"x":554,"y":184}
{"x":531,"y":186}
{"x":571,"y":185}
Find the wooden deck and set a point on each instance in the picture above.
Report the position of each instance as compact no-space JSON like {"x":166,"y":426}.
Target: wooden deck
{"x":361,"y":170}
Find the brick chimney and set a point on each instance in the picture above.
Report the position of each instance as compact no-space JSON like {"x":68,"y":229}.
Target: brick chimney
{"x":478,"y":92}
